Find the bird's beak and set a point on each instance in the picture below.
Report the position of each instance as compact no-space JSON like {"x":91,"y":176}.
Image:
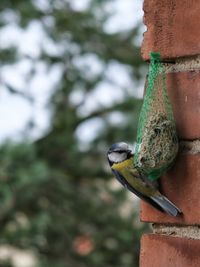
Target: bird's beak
{"x":130,"y":153}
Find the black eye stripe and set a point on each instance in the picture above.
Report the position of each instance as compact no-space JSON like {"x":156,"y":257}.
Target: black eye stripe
{"x":120,"y":151}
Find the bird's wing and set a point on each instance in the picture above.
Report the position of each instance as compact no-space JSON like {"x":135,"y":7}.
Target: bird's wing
{"x":144,"y":181}
{"x":124,"y":182}
{"x":131,"y":188}
{"x":141,"y":195}
{"x":120,"y":178}
{"x":157,"y":200}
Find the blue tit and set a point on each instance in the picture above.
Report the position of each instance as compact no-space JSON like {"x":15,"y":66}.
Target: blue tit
{"x":120,"y":158}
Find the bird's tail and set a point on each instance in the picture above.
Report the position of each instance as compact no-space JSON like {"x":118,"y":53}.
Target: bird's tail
{"x":166,"y":205}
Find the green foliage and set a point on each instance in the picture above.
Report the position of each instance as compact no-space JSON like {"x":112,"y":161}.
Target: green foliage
{"x":58,"y":198}
{"x":5,"y":264}
{"x":67,"y":222}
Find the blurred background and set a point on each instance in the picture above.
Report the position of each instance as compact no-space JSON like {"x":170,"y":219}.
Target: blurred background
{"x":71,"y":85}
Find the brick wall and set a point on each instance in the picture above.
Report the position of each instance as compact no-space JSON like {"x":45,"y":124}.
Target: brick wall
{"x":173,"y":29}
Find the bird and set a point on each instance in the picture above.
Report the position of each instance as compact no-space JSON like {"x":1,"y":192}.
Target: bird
{"x":120,"y":159}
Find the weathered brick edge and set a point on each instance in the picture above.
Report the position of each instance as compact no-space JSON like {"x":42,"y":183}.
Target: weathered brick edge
{"x":181,"y":184}
{"x":169,"y":251}
{"x":173,"y":30}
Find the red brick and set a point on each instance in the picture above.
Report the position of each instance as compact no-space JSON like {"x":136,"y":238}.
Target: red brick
{"x":184,"y":92}
{"x":181,"y":185}
{"x":173,"y":28}
{"x":168,"y":251}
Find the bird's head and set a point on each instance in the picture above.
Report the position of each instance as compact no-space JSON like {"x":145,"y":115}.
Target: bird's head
{"x":119,"y":152}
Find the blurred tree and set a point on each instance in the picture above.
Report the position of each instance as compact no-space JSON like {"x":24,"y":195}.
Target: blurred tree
{"x":58,"y":198}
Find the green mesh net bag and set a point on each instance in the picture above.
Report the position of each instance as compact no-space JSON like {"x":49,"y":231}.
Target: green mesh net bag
{"x":157,"y":142}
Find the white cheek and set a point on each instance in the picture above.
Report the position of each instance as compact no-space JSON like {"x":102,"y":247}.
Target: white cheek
{"x":117,"y":157}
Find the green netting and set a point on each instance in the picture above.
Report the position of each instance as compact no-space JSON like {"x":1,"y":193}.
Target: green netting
{"x":157,"y":142}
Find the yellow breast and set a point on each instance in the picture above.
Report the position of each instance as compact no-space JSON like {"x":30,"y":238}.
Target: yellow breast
{"x":124,"y":164}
